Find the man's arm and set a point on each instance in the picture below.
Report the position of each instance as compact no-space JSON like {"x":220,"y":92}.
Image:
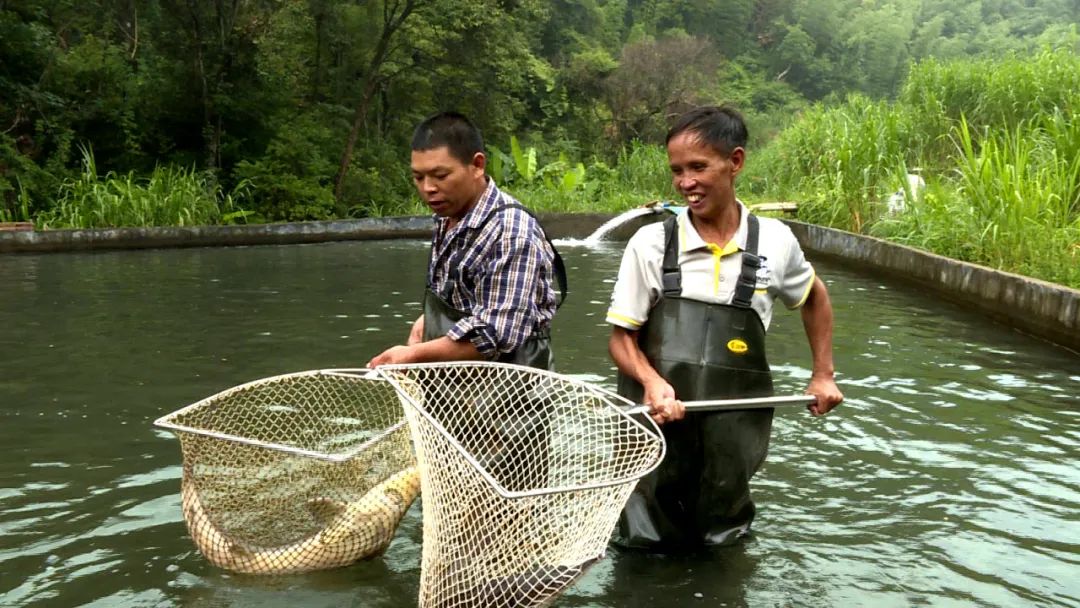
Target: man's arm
{"x":817,"y":316}
{"x":439,"y":349}
{"x":659,"y":394}
{"x":504,"y":314}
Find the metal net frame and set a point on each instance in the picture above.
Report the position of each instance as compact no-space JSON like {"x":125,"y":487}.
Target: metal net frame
{"x":297,"y":472}
{"x":524,"y":473}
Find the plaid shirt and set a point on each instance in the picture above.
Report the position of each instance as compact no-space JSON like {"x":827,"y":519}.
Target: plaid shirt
{"x":497,"y":268}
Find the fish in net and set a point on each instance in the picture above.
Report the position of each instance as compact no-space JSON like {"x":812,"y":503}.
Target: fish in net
{"x":524,"y":473}
{"x":298,"y":472}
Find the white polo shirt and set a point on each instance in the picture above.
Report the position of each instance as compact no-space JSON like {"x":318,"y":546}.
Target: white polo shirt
{"x":709,"y":272}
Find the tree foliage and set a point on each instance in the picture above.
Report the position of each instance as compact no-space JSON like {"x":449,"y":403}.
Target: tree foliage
{"x":311,"y":102}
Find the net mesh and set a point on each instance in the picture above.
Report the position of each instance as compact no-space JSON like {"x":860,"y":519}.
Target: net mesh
{"x":524,"y":475}
{"x":298,"y":472}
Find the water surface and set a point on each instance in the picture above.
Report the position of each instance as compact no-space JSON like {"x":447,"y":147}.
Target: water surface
{"x":948,"y":478}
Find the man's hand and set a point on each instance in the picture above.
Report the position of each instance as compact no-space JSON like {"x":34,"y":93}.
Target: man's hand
{"x":393,"y":356}
{"x":663,"y":406}
{"x":827,"y":393}
{"x":659,"y":395}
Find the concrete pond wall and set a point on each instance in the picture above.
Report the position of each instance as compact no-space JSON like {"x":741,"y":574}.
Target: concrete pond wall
{"x":1042,"y":309}
{"x":559,"y":225}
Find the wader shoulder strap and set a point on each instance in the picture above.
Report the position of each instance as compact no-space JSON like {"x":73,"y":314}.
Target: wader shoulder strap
{"x":559,"y":266}
{"x":744,"y":287}
{"x":428,"y":276}
{"x":671,"y":276}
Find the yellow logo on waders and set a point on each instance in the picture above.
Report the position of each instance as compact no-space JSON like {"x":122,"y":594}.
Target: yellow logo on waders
{"x":737,"y":346}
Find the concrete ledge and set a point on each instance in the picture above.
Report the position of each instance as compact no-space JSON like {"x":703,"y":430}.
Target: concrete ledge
{"x":1042,"y":309}
{"x":208,"y":236}
{"x":558,"y":225}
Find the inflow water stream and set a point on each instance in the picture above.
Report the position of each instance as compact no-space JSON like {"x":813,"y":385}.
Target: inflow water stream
{"x":948,"y":478}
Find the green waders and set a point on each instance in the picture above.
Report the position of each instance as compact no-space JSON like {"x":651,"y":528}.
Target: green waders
{"x":700,"y":493}
{"x":439,"y":317}
{"x":510,"y":430}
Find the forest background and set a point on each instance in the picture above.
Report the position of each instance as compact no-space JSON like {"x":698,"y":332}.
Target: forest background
{"x":182,"y":112}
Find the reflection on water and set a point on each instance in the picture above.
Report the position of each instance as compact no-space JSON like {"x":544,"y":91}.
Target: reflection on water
{"x":948,"y":478}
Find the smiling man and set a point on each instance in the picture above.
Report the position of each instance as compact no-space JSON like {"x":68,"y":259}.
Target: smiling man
{"x":690,"y":308}
{"x":490,"y":276}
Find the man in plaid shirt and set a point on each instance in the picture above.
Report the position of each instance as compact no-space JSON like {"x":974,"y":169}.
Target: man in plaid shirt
{"x":489,"y":281}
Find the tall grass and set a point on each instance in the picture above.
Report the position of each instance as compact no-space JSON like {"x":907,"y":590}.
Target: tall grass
{"x":999,"y":145}
{"x":1013,"y":201}
{"x":20,"y":209}
{"x":840,"y":161}
{"x":170,"y":196}
{"x":999,"y":93}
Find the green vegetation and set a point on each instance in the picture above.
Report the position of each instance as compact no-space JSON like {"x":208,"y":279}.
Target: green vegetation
{"x":997,"y":142}
{"x":639,"y":174}
{"x":169,"y":197}
{"x":286,"y":110}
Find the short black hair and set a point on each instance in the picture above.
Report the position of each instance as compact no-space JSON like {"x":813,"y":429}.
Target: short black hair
{"x":450,"y":129}
{"x":721,"y":127}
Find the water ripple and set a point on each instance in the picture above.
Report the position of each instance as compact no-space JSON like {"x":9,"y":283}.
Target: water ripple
{"x":947,"y":478}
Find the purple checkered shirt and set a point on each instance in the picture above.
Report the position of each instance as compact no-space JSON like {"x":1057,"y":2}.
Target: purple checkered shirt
{"x":504,"y":266}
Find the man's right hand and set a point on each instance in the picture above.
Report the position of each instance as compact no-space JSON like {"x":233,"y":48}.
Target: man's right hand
{"x":828,"y":395}
{"x":394,"y":355}
{"x":663,"y":406}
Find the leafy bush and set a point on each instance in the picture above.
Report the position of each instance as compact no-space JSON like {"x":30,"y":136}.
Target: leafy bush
{"x":280,"y":195}
{"x":293,"y":179}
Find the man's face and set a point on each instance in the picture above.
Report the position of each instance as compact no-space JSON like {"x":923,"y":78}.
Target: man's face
{"x":702,"y":175}
{"x":448,"y":186}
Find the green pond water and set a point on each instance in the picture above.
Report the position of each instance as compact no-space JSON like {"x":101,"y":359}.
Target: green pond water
{"x":948,"y":478}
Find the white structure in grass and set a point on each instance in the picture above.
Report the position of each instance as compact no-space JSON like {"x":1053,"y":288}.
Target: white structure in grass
{"x":897,"y":201}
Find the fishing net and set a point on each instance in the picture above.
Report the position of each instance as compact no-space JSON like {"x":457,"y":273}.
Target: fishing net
{"x":297,"y":472}
{"x":524,"y":475}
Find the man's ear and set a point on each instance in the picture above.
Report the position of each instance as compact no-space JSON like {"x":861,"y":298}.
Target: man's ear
{"x":479,"y":162}
{"x":737,"y":158}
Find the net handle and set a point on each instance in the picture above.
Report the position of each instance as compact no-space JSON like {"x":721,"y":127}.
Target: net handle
{"x":723,"y":405}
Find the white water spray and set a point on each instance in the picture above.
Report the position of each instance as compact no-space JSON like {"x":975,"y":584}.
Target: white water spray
{"x":598,"y":235}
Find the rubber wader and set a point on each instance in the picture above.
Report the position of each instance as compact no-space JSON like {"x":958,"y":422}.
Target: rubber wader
{"x":700,"y":493}
{"x":518,"y":429}
{"x":440,"y":316}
